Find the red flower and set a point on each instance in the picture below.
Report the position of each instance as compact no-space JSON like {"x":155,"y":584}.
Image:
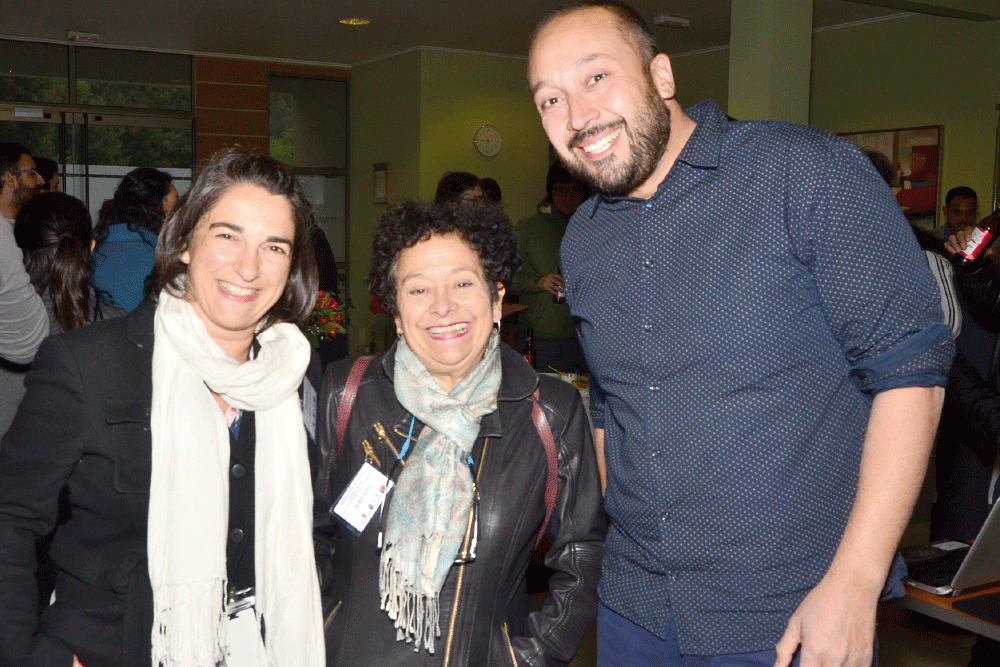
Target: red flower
{"x":375,"y":307}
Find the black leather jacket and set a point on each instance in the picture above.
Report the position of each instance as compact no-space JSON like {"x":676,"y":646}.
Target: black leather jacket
{"x":484,"y":615}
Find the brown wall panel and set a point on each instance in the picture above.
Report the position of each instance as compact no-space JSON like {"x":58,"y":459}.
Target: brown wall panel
{"x":231,"y":121}
{"x":231,"y":70}
{"x":229,"y":96}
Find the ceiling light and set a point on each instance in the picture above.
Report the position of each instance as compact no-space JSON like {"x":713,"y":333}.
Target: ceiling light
{"x":671,"y":21}
{"x":77,"y":36}
{"x":355,"y":21}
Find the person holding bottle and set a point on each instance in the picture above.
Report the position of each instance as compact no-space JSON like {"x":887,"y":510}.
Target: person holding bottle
{"x":539,"y":284}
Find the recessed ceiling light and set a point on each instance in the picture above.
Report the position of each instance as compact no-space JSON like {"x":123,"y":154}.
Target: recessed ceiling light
{"x":355,"y":21}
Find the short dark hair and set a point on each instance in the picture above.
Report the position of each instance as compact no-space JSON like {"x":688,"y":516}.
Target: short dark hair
{"x":53,"y":229}
{"x":491,"y":190}
{"x":483,"y":226}
{"x":138,"y":201}
{"x":46,"y":169}
{"x":558,"y":173}
{"x":882,"y":164}
{"x":10,"y":155}
{"x":452,"y":185}
{"x":960,"y":191}
{"x":631,"y":25}
{"x":224,"y":170}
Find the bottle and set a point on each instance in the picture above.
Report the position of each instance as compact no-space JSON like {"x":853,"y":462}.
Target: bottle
{"x":560,"y":296}
{"x":529,"y":348}
{"x":983,"y":236}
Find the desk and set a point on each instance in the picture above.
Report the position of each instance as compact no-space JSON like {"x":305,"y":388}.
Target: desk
{"x":940,"y":607}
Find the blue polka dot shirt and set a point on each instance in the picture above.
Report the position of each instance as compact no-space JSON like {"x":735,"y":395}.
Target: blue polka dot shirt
{"x":738,"y":324}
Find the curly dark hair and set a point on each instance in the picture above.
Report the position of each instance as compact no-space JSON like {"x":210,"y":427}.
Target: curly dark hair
{"x":137,"y":202}
{"x":485,"y":228}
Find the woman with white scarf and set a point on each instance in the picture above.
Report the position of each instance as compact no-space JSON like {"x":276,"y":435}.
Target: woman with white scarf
{"x":177,"y":433}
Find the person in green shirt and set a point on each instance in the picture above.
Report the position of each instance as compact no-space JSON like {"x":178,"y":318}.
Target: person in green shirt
{"x":539,"y":281}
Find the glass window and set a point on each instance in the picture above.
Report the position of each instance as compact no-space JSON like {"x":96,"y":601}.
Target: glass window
{"x":33,"y":72}
{"x":133,"y":79}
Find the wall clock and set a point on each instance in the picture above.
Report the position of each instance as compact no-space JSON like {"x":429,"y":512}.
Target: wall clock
{"x":488,"y":140}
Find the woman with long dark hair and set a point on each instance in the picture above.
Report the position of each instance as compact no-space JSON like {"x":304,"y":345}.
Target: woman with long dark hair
{"x":128,"y":225}
{"x":54,"y":231}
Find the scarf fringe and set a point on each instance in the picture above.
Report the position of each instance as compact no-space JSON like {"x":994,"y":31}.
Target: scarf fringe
{"x":188,"y":623}
{"x":415,"y":616}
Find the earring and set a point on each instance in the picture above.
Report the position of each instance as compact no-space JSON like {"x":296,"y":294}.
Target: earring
{"x":185,"y":257}
{"x":399,"y":332}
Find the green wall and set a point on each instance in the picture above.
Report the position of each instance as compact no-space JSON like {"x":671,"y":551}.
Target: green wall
{"x":906,"y":72}
{"x":419,"y":111}
{"x":913,"y":71}
{"x":702,"y":76}
{"x":461,"y":92}
{"x":384,"y":127}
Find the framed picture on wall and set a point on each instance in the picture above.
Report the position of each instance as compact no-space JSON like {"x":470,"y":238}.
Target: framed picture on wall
{"x":380,"y":183}
{"x":915,"y":156}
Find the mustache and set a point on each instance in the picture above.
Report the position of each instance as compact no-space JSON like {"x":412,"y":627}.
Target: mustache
{"x":583,"y":135}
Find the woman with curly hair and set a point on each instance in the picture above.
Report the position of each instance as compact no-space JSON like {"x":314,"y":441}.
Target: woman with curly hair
{"x":484,"y":459}
{"x":128,"y":225}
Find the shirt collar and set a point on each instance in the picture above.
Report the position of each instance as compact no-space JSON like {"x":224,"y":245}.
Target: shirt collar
{"x":702,"y":150}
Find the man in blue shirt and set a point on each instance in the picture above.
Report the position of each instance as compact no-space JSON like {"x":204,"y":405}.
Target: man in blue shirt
{"x":768,"y":344}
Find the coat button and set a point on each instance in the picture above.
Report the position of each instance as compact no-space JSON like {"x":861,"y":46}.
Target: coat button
{"x":238,"y":471}
{"x":236,"y":535}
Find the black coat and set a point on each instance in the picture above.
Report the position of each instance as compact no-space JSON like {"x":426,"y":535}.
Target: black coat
{"x":84,"y":426}
{"x":489,"y":624}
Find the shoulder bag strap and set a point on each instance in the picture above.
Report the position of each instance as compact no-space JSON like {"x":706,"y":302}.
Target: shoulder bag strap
{"x":347,"y":400}
{"x":552,"y":476}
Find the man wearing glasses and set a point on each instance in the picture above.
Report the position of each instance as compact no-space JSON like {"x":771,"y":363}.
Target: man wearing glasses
{"x":23,"y":321}
{"x":21,"y":180}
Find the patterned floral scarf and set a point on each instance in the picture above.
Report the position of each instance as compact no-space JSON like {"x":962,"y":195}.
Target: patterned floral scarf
{"x":426,"y":520}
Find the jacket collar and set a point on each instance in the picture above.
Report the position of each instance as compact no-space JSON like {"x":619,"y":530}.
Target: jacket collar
{"x":517,"y":381}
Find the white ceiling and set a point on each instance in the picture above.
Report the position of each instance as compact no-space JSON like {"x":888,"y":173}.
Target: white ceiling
{"x":311,"y":32}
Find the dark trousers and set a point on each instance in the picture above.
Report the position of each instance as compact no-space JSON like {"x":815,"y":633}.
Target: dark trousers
{"x":622,"y":643}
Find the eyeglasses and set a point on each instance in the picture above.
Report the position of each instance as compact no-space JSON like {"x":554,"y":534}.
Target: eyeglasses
{"x":23,"y":171}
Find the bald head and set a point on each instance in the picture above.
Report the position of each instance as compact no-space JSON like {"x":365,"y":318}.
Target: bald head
{"x":631,"y":26}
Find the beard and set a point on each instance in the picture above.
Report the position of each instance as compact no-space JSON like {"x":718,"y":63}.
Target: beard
{"x":23,"y":193}
{"x":647,"y":139}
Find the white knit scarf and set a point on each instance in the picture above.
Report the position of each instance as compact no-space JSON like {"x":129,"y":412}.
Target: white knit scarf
{"x":189,"y":494}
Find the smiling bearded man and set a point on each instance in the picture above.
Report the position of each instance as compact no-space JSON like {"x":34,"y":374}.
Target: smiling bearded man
{"x":767,"y":358}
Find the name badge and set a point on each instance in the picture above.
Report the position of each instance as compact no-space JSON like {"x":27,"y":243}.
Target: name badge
{"x":362,"y":498}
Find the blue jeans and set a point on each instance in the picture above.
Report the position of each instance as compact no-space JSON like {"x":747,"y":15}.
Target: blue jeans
{"x":622,"y":643}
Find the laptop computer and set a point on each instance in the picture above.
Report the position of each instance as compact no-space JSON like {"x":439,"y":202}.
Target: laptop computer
{"x":948,"y":568}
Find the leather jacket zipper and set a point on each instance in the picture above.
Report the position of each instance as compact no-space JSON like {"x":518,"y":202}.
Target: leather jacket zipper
{"x":506,"y":635}
{"x":384,"y":437}
{"x":461,"y":568}
{"x":370,"y":456}
{"x":326,"y":623}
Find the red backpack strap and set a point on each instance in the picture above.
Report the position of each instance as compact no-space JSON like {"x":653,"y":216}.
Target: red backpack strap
{"x":347,"y":400}
{"x":552,"y":475}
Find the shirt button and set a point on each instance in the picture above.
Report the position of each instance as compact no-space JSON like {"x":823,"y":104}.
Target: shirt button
{"x":648,"y":263}
{"x":649,"y":204}
{"x":654,"y":387}
{"x":673,"y":576}
{"x":666,"y":516}
{"x":236,"y":535}
{"x":238,"y":471}
{"x":647,"y":327}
